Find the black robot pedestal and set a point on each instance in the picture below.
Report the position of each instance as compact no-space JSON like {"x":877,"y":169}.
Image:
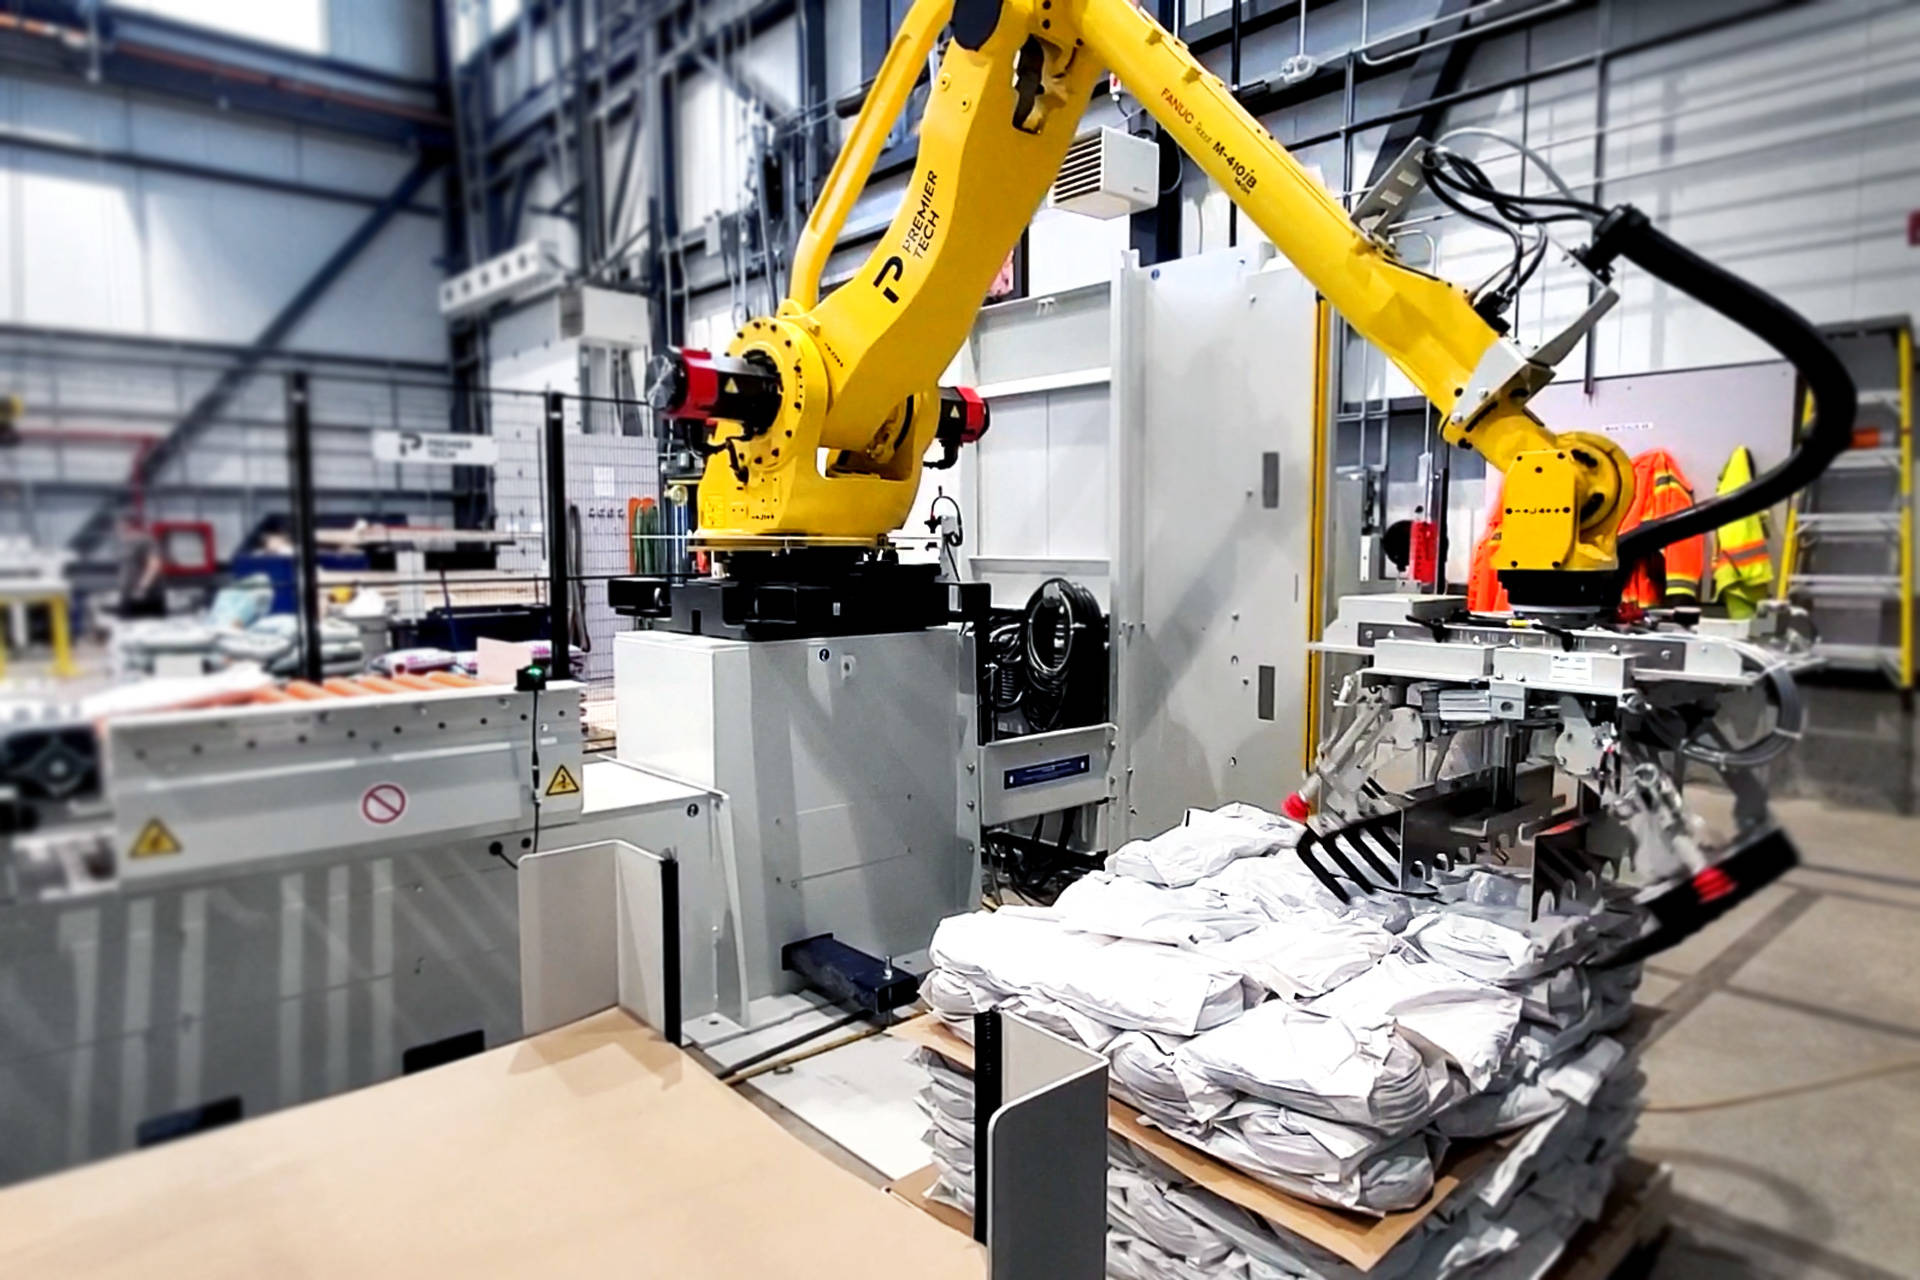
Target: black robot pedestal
{"x":813,"y":591}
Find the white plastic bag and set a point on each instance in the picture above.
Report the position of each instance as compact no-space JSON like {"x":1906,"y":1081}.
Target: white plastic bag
{"x":1304,"y":956}
{"x":1469,"y":1023}
{"x":1122,"y":908}
{"x":1318,"y":1065}
{"x":1206,"y":842}
{"x":1143,"y":986}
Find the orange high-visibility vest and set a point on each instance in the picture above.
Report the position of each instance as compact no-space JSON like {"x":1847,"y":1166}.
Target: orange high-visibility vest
{"x":1484,"y":592}
{"x":1660,"y":489}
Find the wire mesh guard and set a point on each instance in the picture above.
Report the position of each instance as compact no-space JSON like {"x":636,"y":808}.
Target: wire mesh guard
{"x":458,"y":542}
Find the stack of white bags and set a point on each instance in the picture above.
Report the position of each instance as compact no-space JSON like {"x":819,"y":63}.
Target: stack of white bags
{"x":1331,"y":1050}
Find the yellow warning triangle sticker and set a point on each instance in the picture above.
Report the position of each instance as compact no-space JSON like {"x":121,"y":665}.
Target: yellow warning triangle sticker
{"x":731,"y":387}
{"x":562,"y":783}
{"x":154,"y":841}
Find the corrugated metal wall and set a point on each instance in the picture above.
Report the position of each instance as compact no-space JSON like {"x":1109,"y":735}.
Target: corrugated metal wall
{"x":1779,"y":146}
{"x":98,"y":244}
{"x":1777,"y":143}
{"x":150,"y":221}
{"x":1774,"y":144}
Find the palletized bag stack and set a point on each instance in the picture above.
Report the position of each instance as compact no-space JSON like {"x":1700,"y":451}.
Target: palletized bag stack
{"x":1332,"y":1050}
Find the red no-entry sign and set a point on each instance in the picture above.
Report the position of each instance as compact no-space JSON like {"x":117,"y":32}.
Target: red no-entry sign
{"x":383,"y":804}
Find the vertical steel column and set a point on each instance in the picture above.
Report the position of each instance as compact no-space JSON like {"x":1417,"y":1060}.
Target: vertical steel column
{"x":1233,"y":86}
{"x":559,"y":580}
{"x":589,"y":137}
{"x":306,"y":548}
{"x":816,"y":151}
{"x":876,"y":34}
{"x":666,"y":187}
{"x":1155,"y":233}
{"x":1602,"y":81}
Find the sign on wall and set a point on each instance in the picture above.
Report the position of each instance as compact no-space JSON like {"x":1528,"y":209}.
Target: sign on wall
{"x":435,"y":447}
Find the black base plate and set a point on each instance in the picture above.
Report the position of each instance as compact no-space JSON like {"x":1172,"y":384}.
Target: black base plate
{"x":1597,"y":590}
{"x":784,"y":598}
{"x":848,"y":976}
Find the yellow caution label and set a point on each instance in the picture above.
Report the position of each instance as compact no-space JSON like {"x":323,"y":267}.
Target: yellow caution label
{"x":154,"y":841}
{"x":732,"y":387}
{"x":562,"y":783}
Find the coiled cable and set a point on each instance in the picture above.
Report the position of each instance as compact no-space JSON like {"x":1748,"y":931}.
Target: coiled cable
{"x":1006,"y":644}
{"x":1789,"y":711}
{"x":1064,"y":655}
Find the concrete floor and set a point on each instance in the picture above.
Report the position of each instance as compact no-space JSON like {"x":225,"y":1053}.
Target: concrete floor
{"x":1808,"y":989}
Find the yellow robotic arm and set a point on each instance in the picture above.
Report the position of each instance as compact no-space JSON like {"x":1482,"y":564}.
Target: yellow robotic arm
{"x":818,"y":417}
{"x":1565,"y":495}
{"x":846,"y":402}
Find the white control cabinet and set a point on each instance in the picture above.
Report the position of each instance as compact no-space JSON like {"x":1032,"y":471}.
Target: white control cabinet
{"x":841,"y":762}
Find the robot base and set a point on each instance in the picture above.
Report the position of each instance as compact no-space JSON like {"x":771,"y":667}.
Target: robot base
{"x":790,"y":595}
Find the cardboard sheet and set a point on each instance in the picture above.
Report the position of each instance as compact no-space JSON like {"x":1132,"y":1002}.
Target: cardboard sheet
{"x":596,"y":1149}
{"x":913,"y":1189}
{"x":1356,"y":1238}
{"x":861,"y":1095}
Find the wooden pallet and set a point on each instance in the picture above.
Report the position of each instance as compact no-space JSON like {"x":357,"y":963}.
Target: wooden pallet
{"x":1634,"y":1219}
{"x":1635,"y":1213}
{"x":1358,"y":1239}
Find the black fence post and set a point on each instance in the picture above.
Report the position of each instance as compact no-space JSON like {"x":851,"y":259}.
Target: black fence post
{"x":559,"y":585}
{"x":305,"y":535}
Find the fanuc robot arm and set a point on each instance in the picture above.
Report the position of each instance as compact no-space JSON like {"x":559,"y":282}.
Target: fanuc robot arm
{"x":817,"y":418}
{"x":1452,"y":738}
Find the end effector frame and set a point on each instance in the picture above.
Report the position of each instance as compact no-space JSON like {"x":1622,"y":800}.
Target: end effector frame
{"x":1457,"y":740}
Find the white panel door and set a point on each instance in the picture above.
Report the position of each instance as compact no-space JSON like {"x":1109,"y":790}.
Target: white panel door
{"x":1217,"y":436}
{"x":1014,"y":469}
{"x":1079,"y":425}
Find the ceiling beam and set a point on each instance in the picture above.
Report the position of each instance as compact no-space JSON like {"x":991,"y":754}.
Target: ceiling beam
{"x":129,"y":51}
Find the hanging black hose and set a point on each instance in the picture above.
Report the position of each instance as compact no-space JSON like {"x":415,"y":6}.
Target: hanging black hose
{"x":1627,"y":233}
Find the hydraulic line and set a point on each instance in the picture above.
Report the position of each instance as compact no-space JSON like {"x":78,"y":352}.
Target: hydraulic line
{"x":1629,"y":234}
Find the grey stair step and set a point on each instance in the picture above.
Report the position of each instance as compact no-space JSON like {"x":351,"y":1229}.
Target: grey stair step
{"x":1877,"y":524}
{"x":1859,"y":657}
{"x":1885,"y":586}
{"x":1867,"y":460}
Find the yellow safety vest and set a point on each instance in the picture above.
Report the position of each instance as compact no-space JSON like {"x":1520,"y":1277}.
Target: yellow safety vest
{"x":1742,"y":570}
